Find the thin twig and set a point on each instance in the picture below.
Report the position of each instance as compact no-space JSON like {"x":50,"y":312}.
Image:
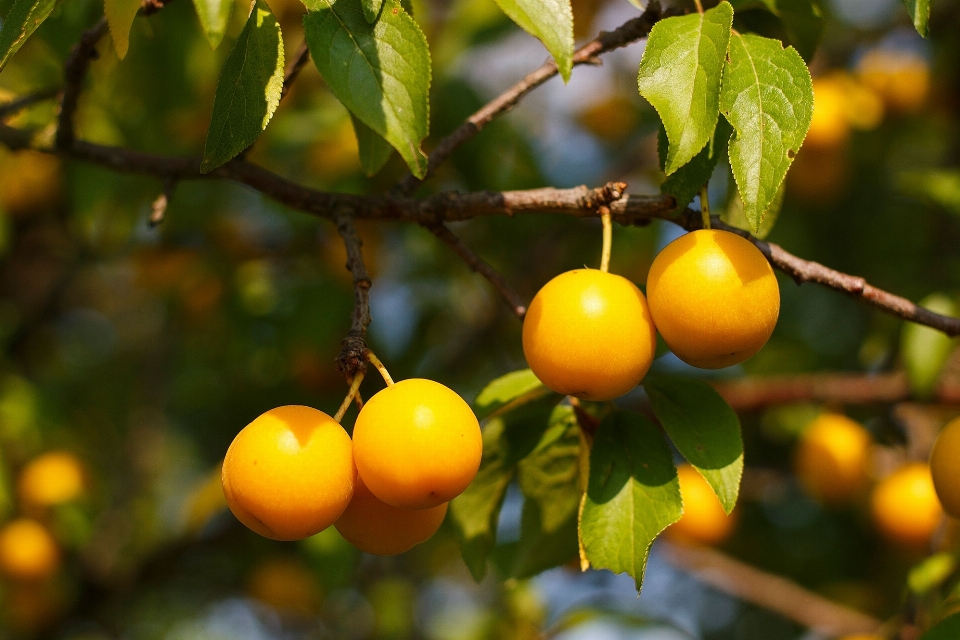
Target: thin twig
{"x":74,"y":73}
{"x":351,"y":396}
{"x":629,"y":32}
{"x":293,"y":69}
{"x":352,"y":359}
{"x":769,"y":591}
{"x":480,"y":266}
{"x":372,"y":358}
{"x":14,"y":107}
{"x":607,"y":239}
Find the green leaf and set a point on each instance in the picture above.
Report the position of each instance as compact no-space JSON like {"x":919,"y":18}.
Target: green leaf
{"x":801,"y":19}
{"x":919,"y":11}
{"x":380,"y":72}
{"x":680,"y":76}
{"x":735,"y":217}
{"x":926,"y":350}
{"x":507,"y":439}
{"x":509,"y":391}
{"x":120,"y":15}
{"x":248,"y":90}
{"x":22,"y":20}
{"x":632,"y":496}
{"x":768,"y":98}
{"x":931,"y":573}
{"x":941,"y":186}
{"x":704,"y":429}
{"x":685,"y":183}
{"x":548,"y":476}
{"x":551,"y":21}
{"x":374,"y":150}
{"x":371,"y":9}
{"x":946,"y":629}
{"x":539,"y":548}
{"x":214,"y":16}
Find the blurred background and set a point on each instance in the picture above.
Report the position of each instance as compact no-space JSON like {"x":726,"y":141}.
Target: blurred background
{"x":132,"y":355}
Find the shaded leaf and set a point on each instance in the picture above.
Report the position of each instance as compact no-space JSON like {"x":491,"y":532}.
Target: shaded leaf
{"x":734,"y":215}
{"x":919,"y":11}
{"x":509,"y":391}
{"x":371,"y":9}
{"x":548,"y":476}
{"x":248,"y":90}
{"x":946,"y":629}
{"x":120,"y":15}
{"x":801,"y":19}
{"x":22,"y":20}
{"x":374,"y":150}
{"x":685,"y":183}
{"x":550,"y":21}
{"x":704,"y":429}
{"x":632,"y":496}
{"x":539,"y":548}
{"x":926,"y":350}
{"x":506,"y":440}
{"x":768,"y":98}
{"x":214,"y":16}
{"x":380,"y":72}
{"x":680,"y":76}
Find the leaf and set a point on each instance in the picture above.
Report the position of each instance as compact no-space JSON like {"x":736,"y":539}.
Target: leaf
{"x":248,"y":90}
{"x":548,"y":476}
{"x":506,"y":440}
{"x":735,"y":217}
{"x":120,"y":15}
{"x":374,"y":150}
{"x":919,"y":11}
{"x":680,"y":75}
{"x":931,"y":573}
{"x":946,"y":629}
{"x":380,"y":72}
{"x":685,"y":183}
{"x":632,"y":496}
{"x":704,"y":429}
{"x":214,"y":16}
{"x":550,"y":21}
{"x":801,"y":19}
{"x":768,"y":98}
{"x":371,"y":9}
{"x":22,"y":20}
{"x":507,"y":392}
{"x":926,"y":350}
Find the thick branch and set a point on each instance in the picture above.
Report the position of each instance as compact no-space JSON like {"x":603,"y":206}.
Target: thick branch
{"x":751,"y":394}
{"x":631,"y":31}
{"x":13,"y":107}
{"x":74,"y":73}
{"x":769,"y":591}
{"x":478,"y":264}
{"x":351,"y":359}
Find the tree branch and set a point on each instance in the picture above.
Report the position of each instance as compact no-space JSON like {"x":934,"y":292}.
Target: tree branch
{"x":769,"y":591}
{"x":294,"y":68}
{"x":752,"y":394}
{"x":478,"y":264}
{"x":351,"y":360}
{"x":74,"y":73}
{"x":629,"y":32}
{"x":13,"y":107}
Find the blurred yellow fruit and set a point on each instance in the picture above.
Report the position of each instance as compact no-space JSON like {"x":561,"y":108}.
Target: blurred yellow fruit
{"x":286,"y":585}
{"x":375,"y":527}
{"x":611,"y":118}
{"x":27,"y":551}
{"x":704,"y":521}
{"x":945,"y":467}
{"x":829,"y":127}
{"x":53,"y":478}
{"x":819,"y":175}
{"x":831,"y":458}
{"x":905,"y":507}
{"x":29,"y":181}
{"x":901,"y":78}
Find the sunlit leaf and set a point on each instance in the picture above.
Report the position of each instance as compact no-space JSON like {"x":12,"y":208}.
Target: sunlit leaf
{"x":632,"y":496}
{"x":380,"y":72}
{"x":768,"y":98}
{"x":120,"y":15}
{"x":509,"y":391}
{"x":919,"y":11}
{"x":214,"y":16}
{"x":551,"y":21}
{"x":248,"y":90}
{"x":371,"y":9}
{"x":680,"y":76}
{"x":924,"y":349}
{"x":704,"y":429}
{"x":21,"y":21}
